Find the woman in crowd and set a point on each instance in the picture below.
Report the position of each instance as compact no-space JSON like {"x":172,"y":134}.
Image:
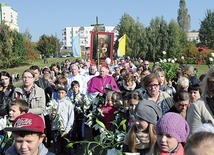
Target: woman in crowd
{"x":181,"y":103}
{"x":183,"y":83}
{"x":164,"y":84}
{"x":152,"y":84}
{"x":141,"y":136}
{"x":30,"y":92}
{"x":202,"y":111}
{"x":6,"y":92}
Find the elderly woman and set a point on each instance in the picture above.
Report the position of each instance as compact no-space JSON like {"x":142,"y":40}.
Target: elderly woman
{"x":152,"y":85}
{"x":34,"y":95}
{"x":181,"y":103}
{"x":202,"y":111}
{"x":6,"y":92}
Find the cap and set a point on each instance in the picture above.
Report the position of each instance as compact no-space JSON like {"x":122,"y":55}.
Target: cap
{"x":173,"y":124}
{"x":148,"y":110}
{"x":27,"y":122}
{"x":61,"y":87}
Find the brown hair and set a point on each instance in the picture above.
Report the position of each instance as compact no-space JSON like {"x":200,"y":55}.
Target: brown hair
{"x":201,"y":141}
{"x":61,"y":80}
{"x":23,"y":105}
{"x":149,"y":78}
{"x":131,"y":138}
{"x":29,"y":71}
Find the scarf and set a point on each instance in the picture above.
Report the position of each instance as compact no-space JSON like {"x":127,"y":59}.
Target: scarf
{"x":129,"y":88}
{"x":142,"y":140}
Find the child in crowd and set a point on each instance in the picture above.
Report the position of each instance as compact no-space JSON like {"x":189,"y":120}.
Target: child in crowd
{"x":28,"y":131}
{"x":60,"y":81}
{"x":195,"y":93}
{"x":134,"y":99}
{"x":108,"y":111}
{"x":62,"y":120}
{"x":141,"y":135}
{"x":200,"y":143}
{"x":172,"y":129}
{"x":17,"y":108}
{"x":79,"y":101}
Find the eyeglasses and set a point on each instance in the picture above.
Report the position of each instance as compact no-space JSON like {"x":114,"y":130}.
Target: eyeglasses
{"x":146,"y":64}
{"x":180,"y":105}
{"x":153,"y":85}
{"x":27,"y":77}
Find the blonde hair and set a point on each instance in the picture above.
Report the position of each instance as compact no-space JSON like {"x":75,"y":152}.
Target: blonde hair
{"x":205,"y":89}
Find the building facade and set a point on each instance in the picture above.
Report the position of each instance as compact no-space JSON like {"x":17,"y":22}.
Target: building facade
{"x":193,"y":36}
{"x":68,"y":33}
{"x":9,"y":16}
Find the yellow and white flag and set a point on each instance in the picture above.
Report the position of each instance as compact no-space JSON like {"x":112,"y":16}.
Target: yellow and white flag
{"x":122,"y":46}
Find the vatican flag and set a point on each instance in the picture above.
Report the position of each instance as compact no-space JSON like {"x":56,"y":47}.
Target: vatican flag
{"x":122,"y":46}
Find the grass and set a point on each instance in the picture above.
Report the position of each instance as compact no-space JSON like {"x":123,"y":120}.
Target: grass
{"x":201,"y":69}
{"x":40,"y":63}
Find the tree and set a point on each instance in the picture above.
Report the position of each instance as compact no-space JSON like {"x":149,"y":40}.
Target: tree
{"x":18,"y":54}
{"x":175,"y":48}
{"x":6,"y":43}
{"x":206,"y":31}
{"x":183,"y":16}
{"x":27,"y":35}
{"x":48,"y":45}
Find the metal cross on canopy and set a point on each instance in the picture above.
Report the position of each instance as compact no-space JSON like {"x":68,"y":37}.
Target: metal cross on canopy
{"x":97,"y":30}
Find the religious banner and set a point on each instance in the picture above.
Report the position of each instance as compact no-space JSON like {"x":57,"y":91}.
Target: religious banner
{"x":101,"y":46}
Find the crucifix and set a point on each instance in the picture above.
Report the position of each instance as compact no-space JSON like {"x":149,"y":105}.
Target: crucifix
{"x":97,"y":30}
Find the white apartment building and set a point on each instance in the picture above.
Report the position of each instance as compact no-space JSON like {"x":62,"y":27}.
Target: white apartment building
{"x":68,"y":33}
{"x":9,"y":16}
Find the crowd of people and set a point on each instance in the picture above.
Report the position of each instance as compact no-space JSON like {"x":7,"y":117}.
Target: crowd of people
{"x":165,"y":117}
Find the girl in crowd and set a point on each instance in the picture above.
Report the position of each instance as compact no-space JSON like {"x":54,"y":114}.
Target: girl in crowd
{"x":172,"y":130}
{"x":141,"y":136}
{"x":164,"y":84}
{"x":181,"y":103}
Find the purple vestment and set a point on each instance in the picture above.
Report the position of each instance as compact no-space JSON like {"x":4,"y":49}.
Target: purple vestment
{"x":97,"y":84}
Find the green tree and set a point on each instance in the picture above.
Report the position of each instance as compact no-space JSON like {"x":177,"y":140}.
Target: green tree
{"x":174,"y":49}
{"x":154,"y":38}
{"x":183,"y":16}
{"x":206,"y":31}
{"x":6,"y":44}
{"x":18,"y":54}
{"x":48,"y":45}
{"x":27,"y":35}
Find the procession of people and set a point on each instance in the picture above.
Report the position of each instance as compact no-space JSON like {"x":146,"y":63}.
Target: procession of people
{"x":162,"y":117}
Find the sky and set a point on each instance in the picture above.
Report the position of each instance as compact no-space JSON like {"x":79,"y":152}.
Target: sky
{"x":49,"y":17}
